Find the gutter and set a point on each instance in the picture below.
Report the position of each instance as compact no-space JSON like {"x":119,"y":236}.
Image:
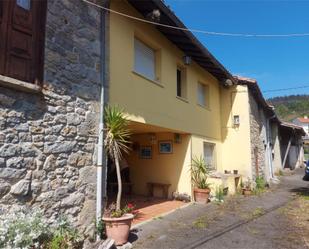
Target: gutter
{"x":101,"y":159}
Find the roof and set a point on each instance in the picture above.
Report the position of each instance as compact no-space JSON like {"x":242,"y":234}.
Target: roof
{"x":183,"y":39}
{"x":257,"y":94}
{"x":294,"y":127}
{"x":303,"y":120}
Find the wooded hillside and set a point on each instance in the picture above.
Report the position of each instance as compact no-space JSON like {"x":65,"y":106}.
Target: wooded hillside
{"x":290,"y":107}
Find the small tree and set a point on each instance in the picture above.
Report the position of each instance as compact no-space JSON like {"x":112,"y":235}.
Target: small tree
{"x":199,"y":173}
{"x":117,"y":138}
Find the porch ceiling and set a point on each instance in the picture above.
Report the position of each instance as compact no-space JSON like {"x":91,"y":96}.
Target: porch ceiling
{"x":139,"y":128}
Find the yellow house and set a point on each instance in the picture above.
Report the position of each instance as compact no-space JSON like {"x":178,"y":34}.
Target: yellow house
{"x":174,"y":92}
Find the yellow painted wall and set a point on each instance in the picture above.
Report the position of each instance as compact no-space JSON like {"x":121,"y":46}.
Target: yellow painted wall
{"x":162,"y":168}
{"x":236,"y":151}
{"x":156,"y":103}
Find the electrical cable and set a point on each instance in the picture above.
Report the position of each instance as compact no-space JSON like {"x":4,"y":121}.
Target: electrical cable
{"x":198,"y":30}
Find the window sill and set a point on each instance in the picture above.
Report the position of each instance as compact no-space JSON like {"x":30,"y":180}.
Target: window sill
{"x":204,"y":107}
{"x":182,"y":99}
{"x":150,"y":80}
{"x":19,"y":85}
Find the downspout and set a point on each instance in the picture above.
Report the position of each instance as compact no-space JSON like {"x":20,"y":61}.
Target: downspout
{"x":101,"y":165}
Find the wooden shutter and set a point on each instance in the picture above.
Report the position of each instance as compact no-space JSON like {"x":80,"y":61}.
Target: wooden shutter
{"x":23,"y":49}
{"x":4,"y":13}
{"x":144,"y":59}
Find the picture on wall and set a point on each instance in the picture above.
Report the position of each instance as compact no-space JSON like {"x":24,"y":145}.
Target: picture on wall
{"x":165,"y":147}
{"x":145,"y":152}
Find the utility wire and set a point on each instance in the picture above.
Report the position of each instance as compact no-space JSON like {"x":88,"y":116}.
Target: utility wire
{"x":198,"y":30}
{"x":285,"y":89}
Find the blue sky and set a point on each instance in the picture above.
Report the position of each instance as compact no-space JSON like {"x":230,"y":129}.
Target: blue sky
{"x":275,"y":62}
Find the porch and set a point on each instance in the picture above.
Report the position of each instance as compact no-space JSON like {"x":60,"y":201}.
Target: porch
{"x":156,"y":167}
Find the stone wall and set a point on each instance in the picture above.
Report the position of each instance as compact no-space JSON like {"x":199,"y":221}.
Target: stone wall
{"x":48,"y":140}
{"x":257,"y":137}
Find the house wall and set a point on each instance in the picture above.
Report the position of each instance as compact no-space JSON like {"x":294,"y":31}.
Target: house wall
{"x":171,"y":168}
{"x":47,"y":140}
{"x":152,"y":102}
{"x":236,"y":147}
{"x":257,"y":139}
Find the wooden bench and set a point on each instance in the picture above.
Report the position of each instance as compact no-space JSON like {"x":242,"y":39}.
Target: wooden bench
{"x":163,"y":186}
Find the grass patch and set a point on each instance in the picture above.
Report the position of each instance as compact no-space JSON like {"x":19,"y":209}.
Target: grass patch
{"x":158,"y":218}
{"x":257,"y":212}
{"x":200,"y":223}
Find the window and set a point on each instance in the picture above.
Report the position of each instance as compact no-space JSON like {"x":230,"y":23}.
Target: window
{"x":144,"y":60}
{"x":181,"y":83}
{"x":209,"y":156}
{"x":25,"y":4}
{"x":202,"y":95}
{"x":22,"y":25}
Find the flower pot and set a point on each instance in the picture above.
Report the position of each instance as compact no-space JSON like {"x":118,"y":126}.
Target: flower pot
{"x":235,"y":171}
{"x":201,"y":195}
{"x":246,"y":192}
{"x":118,"y":229}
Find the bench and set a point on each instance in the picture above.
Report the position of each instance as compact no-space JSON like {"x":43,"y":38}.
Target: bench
{"x":163,"y":186}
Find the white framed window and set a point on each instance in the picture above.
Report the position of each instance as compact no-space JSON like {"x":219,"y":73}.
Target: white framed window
{"x":144,"y":60}
{"x":202,"y":94}
{"x":209,"y":156}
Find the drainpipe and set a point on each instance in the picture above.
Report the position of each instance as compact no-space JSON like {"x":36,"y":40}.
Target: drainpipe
{"x":101,"y":165}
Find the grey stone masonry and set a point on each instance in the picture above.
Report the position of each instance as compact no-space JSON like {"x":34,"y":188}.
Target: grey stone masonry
{"x":48,"y":139}
{"x":257,"y":138}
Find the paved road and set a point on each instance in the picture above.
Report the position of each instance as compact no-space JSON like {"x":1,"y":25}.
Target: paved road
{"x":243,"y":223}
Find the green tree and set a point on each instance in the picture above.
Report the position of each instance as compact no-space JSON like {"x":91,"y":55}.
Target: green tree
{"x":116,"y":140}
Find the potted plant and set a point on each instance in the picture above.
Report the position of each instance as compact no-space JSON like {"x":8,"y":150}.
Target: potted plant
{"x":246,"y":188}
{"x":117,"y":138}
{"x":118,"y":222}
{"x":199,"y":174}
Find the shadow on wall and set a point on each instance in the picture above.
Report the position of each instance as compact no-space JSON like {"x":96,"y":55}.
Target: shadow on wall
{"x":227,"y":101}
{"x":167,"y":168}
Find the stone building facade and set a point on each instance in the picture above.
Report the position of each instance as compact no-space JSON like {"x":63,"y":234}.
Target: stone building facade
{"x":258,"y":137}
{"x":48,"y":138}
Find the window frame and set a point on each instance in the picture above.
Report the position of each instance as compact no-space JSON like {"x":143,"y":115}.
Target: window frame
{"x":214,"y":157}
{"x":155,"y":60}
{"x":206,"y":95}
{"x":182,"y":83}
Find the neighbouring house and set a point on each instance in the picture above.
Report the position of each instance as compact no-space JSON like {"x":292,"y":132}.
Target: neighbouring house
{"x":291,"y":144}
{"x":49,"y":107}
{"x":303,"y":122}
{"x":254,"y":126}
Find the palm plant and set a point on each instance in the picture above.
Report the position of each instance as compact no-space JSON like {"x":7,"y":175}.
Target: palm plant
{"x":116,"y":140}
{"x":199,"y":172}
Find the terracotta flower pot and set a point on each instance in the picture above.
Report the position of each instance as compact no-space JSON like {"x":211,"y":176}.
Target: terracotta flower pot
{"x":246,"y":192}
{"x":201,"y":195}
{"x":118,"y":229}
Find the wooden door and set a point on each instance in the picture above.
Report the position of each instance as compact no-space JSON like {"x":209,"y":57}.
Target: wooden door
{"x":4,"y":16}
{"x":23,"y":44}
